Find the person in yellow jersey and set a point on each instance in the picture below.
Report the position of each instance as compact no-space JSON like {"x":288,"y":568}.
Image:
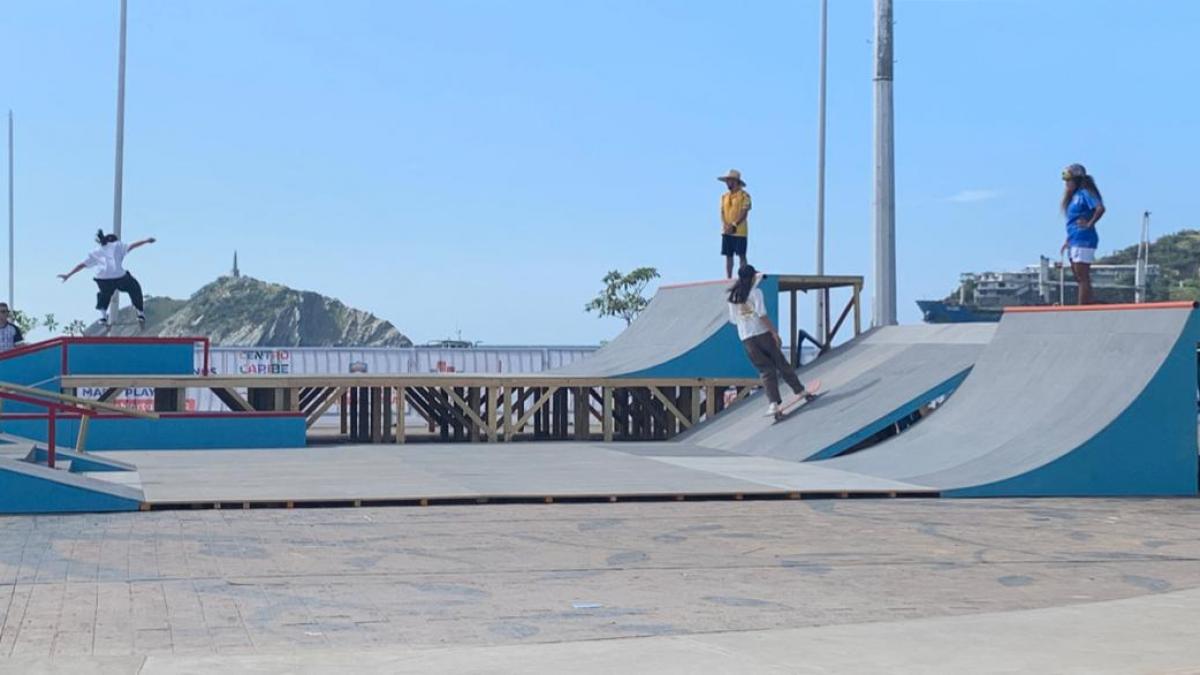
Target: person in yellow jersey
{"x":735,"y":228}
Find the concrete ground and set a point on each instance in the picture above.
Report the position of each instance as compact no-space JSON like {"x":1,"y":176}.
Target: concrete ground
{"x":788,"y":586}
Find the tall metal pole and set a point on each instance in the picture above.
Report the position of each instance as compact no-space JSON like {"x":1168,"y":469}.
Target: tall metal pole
{"x":118,"y":175}
{"x":11,"y":276}
{"x":884,"y":304}
{"x":821,"y":295}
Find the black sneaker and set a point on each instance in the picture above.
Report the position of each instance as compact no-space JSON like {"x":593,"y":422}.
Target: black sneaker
{"x":103,"y":321}
{"x":141,"y":320}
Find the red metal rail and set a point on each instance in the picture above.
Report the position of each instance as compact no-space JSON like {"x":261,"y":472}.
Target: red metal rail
{"x":64,"y":343}
{"x":52,"y":410}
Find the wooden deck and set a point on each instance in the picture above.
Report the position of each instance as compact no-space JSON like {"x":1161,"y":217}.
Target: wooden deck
{"x":457,"y":406}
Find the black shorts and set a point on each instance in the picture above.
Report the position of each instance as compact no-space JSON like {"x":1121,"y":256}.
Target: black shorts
{"x":732,"y":244}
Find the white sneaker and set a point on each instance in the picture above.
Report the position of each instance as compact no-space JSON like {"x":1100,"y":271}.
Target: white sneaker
{"x":773,"y":409}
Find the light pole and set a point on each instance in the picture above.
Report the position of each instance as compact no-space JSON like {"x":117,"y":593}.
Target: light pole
{"x":11,"y":276}
{"x":884,"y":303}
{"x":822,"y":296}
{"x":118,"y":174}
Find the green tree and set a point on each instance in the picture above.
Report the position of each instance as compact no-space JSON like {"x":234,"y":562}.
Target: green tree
{"x":50,"y":323}
{"x":25,"y":322}
{"x":76,"y":327}
{"x":622,"y":294}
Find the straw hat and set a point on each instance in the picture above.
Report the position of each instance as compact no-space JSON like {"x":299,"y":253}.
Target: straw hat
{"x":733,"y":174}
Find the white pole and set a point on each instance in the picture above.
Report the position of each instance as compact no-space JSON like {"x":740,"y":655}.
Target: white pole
{"x":821,"y":328}
{"x":119,"y":170}
{"x":884,"y":304}
{"x":11,"y":276}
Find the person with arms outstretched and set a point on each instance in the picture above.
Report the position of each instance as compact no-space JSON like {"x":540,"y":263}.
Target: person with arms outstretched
{"x":748,"y":311}
{"x":111,"y":276}
{"x":735,"y":226}
{"x":1083,"y":206}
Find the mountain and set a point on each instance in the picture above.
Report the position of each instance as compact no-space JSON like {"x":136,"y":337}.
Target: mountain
{"x":1178,"y":258}
{"x":243,"y":311}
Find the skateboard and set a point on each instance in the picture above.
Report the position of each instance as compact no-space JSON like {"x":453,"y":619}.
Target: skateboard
{"x":812,"y":391}
{"x":106,"y":329}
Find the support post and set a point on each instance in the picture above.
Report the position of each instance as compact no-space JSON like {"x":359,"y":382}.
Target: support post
{"x":400,"y":430}
{"x":607,"y":423}
{"x":884,"y":305}
{"x":51,"y":437}
{"x":81,"y":439}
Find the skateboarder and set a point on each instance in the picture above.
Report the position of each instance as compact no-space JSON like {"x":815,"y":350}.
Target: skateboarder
{"x":735,"y":228}
{"x":748,"y":311}
{"x":111,"y":276}
{"x":1083,"y":206}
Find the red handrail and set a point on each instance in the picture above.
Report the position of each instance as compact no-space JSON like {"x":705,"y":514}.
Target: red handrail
{"x":52,"y":408}
{"x":65,"y":342}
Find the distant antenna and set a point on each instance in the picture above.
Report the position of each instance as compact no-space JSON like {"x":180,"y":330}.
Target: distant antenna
{"x":236,"y":272}
{"x":1143,"y":261}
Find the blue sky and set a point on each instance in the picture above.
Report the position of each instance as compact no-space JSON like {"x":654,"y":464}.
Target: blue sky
{"x":479,"y":165}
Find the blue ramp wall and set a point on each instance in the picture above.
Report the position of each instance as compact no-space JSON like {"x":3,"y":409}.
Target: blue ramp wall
{"x":1149,"y":450}
{"x":29,"y":488}
{"x":722,"y":354}
{"x":173,"y":432}
{"x":131,"y":358}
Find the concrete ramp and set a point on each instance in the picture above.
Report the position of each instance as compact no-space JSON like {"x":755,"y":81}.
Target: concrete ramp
{"x":870,"y":383}
{"x":683,"y":332}
{"x":31,"y":488}
{"x":1094,"y":401}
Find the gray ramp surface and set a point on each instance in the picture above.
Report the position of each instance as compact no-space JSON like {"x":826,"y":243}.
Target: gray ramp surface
{"x":677,"y":319}
{"x":1046,"y":384}
{"x":868,"y":383}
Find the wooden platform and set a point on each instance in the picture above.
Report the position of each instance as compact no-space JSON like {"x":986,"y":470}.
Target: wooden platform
{"x":459,"y":407}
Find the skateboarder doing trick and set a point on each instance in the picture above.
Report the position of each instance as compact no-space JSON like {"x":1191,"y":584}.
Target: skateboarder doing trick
{"x":111,"y":276}
{"x":748,"y":311}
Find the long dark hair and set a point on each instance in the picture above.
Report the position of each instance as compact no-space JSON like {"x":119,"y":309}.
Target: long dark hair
{"x":1077,"y":183}
{"x":740,"y":290}
{"x":103,"y":239}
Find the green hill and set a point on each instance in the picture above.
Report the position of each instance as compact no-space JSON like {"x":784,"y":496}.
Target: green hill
{"x":1178,"y":258}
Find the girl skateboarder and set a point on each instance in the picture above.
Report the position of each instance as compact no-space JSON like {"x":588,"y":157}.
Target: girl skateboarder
{"x":748,"y":311}
{"x":111,"y":276}
{"x":1083,"y":207}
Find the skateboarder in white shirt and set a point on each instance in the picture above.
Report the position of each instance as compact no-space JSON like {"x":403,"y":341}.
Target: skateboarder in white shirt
{"x":748,"y":311}
{"x":111,"y":275}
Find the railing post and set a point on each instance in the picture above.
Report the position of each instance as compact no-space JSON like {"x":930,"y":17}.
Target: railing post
{"x":50,"y":436}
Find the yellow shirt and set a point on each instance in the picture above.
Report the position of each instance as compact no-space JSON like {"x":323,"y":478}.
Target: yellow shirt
{"x":735,"y":209}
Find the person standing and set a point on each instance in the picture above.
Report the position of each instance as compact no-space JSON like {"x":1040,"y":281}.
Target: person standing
{"x":735,"y":226}
{"x":111,"y":276}
{"x":1083,"y":207}
{"x":10,"y":333}
{"x":760,"y":338}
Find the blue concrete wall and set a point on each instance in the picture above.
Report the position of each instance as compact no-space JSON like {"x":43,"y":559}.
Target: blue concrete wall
{"x":28,"y":488}
{"x":1149,"y":450}
{"x":721,"y":355}
{"x":173,"y":432}
{"x":119,"y":358}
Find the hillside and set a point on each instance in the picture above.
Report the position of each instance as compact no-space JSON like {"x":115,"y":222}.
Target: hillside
{"x":243,"y":311}
{"x":1178,"y":258}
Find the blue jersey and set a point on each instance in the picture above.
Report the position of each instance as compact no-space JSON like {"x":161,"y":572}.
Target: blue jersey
{"x":1080,"y":209}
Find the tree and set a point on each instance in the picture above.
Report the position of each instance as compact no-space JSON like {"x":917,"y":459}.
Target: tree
{"x":622,"y":294}
{"x":50,"y":323}
{"x":76,"y":327}
{"x":23,"y":321}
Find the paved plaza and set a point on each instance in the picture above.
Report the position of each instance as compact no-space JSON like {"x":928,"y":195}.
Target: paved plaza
{"x":499,"y":586}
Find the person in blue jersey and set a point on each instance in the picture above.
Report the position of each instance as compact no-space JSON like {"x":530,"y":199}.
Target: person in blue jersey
{"x":1083,"y":206}
{"x":748,"y":311}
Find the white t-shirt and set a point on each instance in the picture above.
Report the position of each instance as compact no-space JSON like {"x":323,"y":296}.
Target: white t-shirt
{"x":108,"y":258}
{"x":748,"y":316}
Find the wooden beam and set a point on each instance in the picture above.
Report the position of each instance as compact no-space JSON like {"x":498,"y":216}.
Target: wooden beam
{"x":111,"y":394}
{"x":377,"y":414}
{"x":695,"y":404}
{"x":401,"y":394}
{"x":506,"y":409}
{"x":491,"y":414}
{"x":81,"y":439}
{"x":838,"y":325}
{"x":537,"y":405}
{"x":332,"y":398}
{"x":670,"y":406}
{"x":857,"y":310}
{"x":606,"y":421}
{"x":230,"y":397}
{"x":710,"y":401}
{"x":458,"y":401}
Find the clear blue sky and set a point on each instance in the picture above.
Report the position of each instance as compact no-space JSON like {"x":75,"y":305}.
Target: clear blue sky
{"x":481,"y":164}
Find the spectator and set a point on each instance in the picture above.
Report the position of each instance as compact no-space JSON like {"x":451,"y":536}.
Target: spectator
{"x":10,"y":333}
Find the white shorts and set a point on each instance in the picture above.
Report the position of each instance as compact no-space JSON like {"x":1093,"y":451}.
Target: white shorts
{"x":1078,"y":254}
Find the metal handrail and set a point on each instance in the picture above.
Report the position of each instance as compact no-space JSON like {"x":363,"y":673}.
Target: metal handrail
{"x":54,"y":403}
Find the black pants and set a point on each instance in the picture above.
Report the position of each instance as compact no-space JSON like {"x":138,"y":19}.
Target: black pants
{"x":126,"y":284}
{"x":768,"y":358}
